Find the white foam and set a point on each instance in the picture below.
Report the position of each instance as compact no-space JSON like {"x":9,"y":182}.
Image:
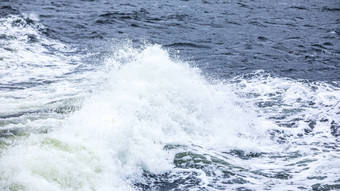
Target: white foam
{"x":34,"y":74}
{"x":148,"y":101}
{"x":25,"y":61}
{"x":313,"y":106}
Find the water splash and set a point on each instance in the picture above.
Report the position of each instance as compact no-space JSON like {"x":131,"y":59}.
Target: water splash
{"x":157,"y":123}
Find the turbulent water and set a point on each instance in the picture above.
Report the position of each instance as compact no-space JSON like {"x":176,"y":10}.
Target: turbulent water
{"x":169,"y":95}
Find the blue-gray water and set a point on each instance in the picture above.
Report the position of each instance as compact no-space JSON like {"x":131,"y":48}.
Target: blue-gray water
{"x":169,"y":95}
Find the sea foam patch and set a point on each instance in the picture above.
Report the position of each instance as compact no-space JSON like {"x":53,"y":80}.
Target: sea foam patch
{"x":157,"y":122}
{"x":147,"y":104}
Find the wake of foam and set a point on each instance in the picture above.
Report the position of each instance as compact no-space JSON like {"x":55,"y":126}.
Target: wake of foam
{"x":148,"y":102}
{"x":36,"y":73}
{"x":158,"y":116}
{"x":27,"y":55}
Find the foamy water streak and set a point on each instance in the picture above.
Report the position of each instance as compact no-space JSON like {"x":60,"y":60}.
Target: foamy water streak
{"x":28,"y":56}
{"x":159,"y":119}
{"x":37,"y":74}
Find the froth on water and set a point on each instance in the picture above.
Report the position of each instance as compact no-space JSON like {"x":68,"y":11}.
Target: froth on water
{"x":157,"y":123}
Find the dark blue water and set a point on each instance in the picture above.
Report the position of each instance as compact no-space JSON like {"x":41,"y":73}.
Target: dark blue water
{"x":169,"y":95}
{"x":297,"y":39}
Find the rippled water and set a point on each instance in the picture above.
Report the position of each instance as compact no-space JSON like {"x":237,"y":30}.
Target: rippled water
{"x":169,"y":95}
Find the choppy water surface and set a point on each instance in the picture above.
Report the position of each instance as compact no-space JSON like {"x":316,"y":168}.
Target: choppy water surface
{"x":169,"y":95}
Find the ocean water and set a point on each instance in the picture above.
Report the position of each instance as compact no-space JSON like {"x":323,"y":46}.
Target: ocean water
{"x":169,"y":95}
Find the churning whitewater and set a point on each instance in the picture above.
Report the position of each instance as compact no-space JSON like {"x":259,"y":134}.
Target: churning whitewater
{"x":158,"y":118}
{"x":133,"y":115}
{"x":146,"y":105}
